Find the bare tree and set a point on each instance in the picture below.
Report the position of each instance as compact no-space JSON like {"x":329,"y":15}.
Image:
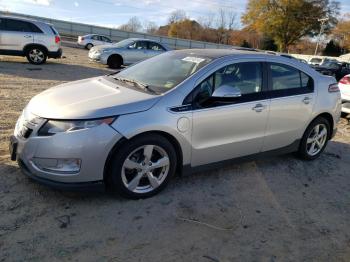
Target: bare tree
{"x":133,"y":25}
{"x":207,"y":21}
{"x":177,"y":16}
{"x":150,"y":27}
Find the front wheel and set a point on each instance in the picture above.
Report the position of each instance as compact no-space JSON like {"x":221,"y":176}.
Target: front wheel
{"x":36,"y":55}
{"x":142,"y":167}
{"x":315,"y":139}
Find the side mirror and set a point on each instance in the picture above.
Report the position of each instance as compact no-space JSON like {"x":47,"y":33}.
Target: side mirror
{"x":227,"y":91}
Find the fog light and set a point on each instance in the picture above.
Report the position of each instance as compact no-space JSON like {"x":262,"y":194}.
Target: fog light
{"x":63,"y":166}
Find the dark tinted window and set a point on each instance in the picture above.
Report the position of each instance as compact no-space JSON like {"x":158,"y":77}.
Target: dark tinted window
{"x":21,"y":26}
{"x":105,"y":39}
{"x":2,"y":24}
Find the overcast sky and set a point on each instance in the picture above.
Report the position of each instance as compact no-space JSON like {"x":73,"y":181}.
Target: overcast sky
{"x":113,"y":13}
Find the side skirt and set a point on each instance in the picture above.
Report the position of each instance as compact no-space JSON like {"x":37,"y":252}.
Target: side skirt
{"x":188,"y":169}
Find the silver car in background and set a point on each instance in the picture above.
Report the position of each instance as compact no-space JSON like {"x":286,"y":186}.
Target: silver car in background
{"x":126,"y":52}
{"x":89,"y":41}
{"x":177,"y":112}
{"x":26,"y":37}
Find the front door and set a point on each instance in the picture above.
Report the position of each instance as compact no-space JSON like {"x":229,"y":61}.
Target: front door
{"x":232,"y":127}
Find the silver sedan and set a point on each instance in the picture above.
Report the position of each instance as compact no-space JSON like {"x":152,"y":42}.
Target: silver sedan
{"x":178,"y":112}
{"x":126,"y":52}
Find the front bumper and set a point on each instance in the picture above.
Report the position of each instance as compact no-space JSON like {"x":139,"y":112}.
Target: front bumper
{"x":91,"y":146}
{"x":94,"y":186}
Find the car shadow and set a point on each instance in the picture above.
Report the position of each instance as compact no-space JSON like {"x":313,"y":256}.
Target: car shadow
{"x":51,"y":70}
{"x":336,"y":155}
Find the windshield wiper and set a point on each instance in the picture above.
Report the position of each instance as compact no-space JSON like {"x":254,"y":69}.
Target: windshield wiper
{"x":138,"y":83}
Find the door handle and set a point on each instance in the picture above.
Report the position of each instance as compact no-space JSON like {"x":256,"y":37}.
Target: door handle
{"x":258,"y":108}
{"x":307,"y":100}
{"x":27,"y":36}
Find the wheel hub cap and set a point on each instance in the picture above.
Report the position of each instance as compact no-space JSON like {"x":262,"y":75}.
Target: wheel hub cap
{"x":145,"y":169}
{"x":316,"y":140}
{"x":36,"y":55}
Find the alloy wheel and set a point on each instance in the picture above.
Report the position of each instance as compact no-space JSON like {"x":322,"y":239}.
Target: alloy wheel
{"x":145,"y":169}
{"x":36,"y":55}
{"x":316,"y":139}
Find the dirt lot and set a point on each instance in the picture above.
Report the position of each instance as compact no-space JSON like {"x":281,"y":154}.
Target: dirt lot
{"x":278,"y":209}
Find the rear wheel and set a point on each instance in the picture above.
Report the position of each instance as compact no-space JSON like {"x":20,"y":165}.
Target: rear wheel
{"x":142,"y":167}
{"x":36,"y":55}
{"x":114,"y":61}
{"x":89,"y":46}
{"x":315,"y":139}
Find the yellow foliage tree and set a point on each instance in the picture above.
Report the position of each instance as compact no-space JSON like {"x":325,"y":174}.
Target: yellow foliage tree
{"x":287,"y":21}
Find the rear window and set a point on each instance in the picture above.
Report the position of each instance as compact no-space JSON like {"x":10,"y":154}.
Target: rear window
{"x":2,"y":24}
{"x":316,"y":60}
{"x":53,"y":30}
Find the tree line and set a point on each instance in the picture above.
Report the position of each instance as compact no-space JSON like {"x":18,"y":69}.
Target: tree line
{"x":278,"y":25}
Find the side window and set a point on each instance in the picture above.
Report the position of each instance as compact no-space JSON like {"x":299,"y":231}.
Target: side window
{"x":247,"y":77}
{"x":35,"y":29}
{"x":155,"y":46}
{"x":2,"y":24}
{"x":95,"y":37}
{"x":140,"y":45}
{"x":286,"y":80}
{"x":284,"y":77}
{"x":105,"y":39}
{"x":19,"y":26}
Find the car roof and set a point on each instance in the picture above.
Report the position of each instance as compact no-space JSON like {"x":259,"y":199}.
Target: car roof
{"x":217,"y":53}
{"x":23,"y":19}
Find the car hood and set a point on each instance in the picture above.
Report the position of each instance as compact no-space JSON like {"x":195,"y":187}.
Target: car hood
{"x":90,"y":98}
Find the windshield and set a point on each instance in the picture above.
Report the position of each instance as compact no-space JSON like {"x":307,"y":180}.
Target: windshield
{"x":163,"y":72}
{"x":124,"y":43}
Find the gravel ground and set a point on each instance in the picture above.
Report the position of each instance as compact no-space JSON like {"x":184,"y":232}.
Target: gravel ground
{"x":276,"y":209}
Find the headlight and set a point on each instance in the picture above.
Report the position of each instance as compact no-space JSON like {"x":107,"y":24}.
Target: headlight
{"x":52,"y":127}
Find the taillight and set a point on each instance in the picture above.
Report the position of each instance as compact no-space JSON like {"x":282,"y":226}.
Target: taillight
{"x":333,"y":88}
{"x":345,"y":80}
{"x":57,"y":39}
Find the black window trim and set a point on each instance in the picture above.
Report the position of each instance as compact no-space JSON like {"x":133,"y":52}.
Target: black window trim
{"x":287,"y":92}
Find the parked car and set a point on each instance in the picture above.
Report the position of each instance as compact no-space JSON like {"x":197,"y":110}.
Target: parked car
{"x":126,"y":52}
{"x":316,"y":61}
{"x":34,"y":39}
{"x":334,"y":68}
{"x":344,"y":86}
{"x":88,"y":41}
{"x":177,"y":112}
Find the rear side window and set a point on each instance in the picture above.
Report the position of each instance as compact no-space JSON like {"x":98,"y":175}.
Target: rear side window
{"x":155,"y":46}
{"x":287,"y":80}
{"x":21,"y":26}
{"x":53,"y":30}
{"x":2,"y":23}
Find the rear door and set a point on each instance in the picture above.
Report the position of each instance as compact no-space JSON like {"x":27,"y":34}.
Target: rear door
{"x":15,"y":34}
{"x":292,"y":99}
{"x":136,"y":52}
{"x":154,"y":49}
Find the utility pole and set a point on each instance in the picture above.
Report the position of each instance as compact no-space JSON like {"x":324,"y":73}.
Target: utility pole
{"x":323,"y":21}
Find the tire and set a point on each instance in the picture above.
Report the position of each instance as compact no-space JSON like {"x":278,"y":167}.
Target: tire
{"x":89,"y":46}
{"x":114,"y":62}
{"x":132,"y":171}
{"x":309,"y":139}
{"x":36,"y":55}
